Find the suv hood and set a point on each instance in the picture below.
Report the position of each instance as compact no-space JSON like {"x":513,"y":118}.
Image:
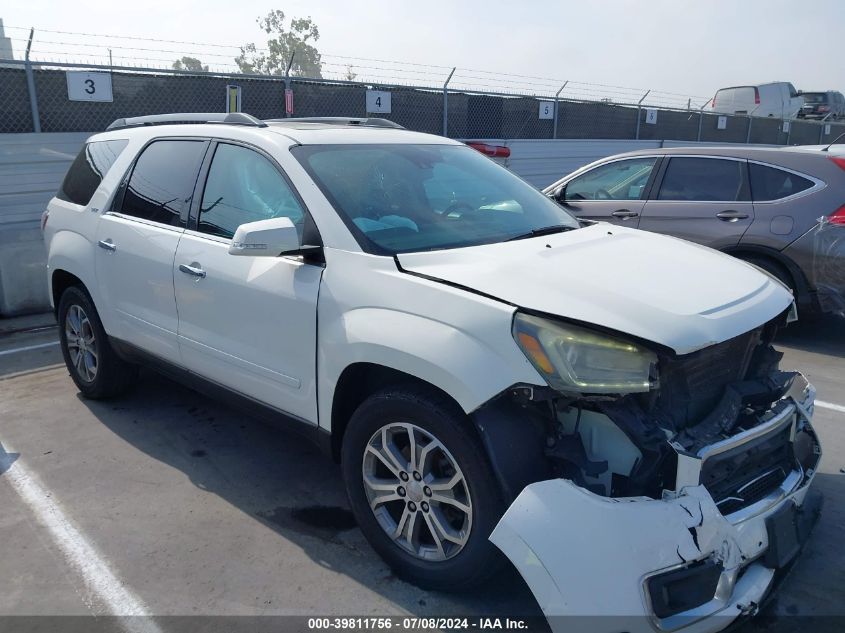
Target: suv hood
{"x":661,"y":289}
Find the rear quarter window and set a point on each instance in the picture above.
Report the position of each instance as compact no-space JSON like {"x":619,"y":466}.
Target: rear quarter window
{"x":770,"y":183}
{"x":88,"y":170}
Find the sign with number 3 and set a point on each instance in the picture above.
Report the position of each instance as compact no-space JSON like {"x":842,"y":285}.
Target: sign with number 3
{"x":85,"y":86}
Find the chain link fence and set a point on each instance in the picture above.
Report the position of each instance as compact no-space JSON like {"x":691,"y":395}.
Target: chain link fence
{"x":43,"y":104}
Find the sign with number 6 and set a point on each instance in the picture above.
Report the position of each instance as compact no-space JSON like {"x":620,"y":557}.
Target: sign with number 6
{"x":86,"y":86}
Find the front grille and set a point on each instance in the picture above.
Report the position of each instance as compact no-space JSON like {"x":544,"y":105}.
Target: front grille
{"x":692,"y":385}
{"x":743,"y":475}
{"x":753,"y":491}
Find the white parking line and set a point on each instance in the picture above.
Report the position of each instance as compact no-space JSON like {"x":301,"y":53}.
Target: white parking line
{"x":28,"y":348}
{"x":104,"y":589}
{"x":830,"y":405}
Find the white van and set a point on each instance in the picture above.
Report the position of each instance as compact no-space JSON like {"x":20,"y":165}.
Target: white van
{"x":777,"y":99}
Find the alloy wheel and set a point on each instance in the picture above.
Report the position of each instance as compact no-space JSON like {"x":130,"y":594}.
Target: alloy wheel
{"x":81,"y":343}
{"x":417,"y":491}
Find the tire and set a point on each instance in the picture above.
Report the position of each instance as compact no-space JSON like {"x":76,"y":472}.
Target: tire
{"x":441,"y":433}
{"x":93,"y":365}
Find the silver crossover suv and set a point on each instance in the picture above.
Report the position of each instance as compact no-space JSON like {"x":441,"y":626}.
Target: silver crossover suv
{"x":782,"y":209}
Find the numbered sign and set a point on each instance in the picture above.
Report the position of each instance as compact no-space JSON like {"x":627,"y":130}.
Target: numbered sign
{"x":378,"y":101}
{"x":651,"y":116}
{"x":547,"y":109}
{"x":722,"y":123}
{"x":85,"y":86}
{"x":233,"y":98}
{"x":826,"y":129}
{"x":786,"y":126}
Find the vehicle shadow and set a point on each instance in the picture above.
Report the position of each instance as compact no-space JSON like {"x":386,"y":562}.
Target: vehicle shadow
{"x":286,"y":483}
{"x":819,"y":334}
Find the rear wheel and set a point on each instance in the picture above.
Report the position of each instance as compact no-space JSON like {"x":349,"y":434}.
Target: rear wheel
{"x":421,"y":488}
{"x":93,"y":365}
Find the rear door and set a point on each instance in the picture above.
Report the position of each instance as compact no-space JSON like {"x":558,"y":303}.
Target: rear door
{"x":137,"y":241}
{"x":702,"y":199}
{"x":249,"y":323}
{"x":611,"y":192}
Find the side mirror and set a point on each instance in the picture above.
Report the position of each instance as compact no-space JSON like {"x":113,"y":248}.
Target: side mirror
{"x":265,"y":238}
{"x":560,"y":194}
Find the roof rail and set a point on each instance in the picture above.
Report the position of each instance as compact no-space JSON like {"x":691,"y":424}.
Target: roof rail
{"x":230,"y":118}
{"x":338,"y":120}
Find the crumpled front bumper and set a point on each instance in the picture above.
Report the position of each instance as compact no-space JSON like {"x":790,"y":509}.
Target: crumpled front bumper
{"x":587,"y":555}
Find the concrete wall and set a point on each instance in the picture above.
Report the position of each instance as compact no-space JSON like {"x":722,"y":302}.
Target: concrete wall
{"x":31,"y":169}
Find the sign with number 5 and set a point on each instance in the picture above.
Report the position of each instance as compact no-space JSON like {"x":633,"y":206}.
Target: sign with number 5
{"x":547,"y":109}
{"x":85,"y":86}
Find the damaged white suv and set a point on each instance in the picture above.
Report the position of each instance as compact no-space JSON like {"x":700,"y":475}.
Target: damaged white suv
{"x":601,"y":404}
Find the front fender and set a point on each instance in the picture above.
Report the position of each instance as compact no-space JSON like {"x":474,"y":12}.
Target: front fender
{"x":457,"y":341}
{"x":437,"y":353}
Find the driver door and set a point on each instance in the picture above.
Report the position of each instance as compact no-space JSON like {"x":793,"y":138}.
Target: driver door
{"x":612,"y":192}
{"x":248,"y":323}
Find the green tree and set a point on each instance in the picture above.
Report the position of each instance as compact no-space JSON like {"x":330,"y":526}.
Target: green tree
{"x":189,"y":63}
{"x":295,"y":38}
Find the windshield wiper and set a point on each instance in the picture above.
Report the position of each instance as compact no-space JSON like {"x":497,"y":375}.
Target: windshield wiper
{"x":546,"y":230}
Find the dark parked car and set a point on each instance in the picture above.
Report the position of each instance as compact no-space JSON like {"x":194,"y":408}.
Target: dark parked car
{"x":782,"y":209}
{"x":828,"y":105}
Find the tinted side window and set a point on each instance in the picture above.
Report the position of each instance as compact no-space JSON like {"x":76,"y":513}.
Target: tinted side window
{"x":703,"y":180}
{"x":88,"y":170}
{"x":242,"y":187}
{"x":163,"y":180}
{"x":768,"y":183}
{"x":619,"y":180}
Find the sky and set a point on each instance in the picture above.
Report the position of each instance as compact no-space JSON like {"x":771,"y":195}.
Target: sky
{"x":688,"y":47}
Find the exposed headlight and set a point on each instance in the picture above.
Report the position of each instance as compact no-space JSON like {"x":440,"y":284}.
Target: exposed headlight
{"x":575,"y":359}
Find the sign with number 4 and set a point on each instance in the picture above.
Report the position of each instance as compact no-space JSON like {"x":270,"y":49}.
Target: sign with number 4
{"x":85,"y":86}
{"x":547,"y":109}
{"x":378,"y":101}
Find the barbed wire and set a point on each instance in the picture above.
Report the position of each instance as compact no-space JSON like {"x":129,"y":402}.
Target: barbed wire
{"x":62,"y":48}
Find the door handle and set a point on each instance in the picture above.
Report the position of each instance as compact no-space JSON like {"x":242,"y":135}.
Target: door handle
{"x":731,"y":216}
{"x":194,"y":269}
{"x":625,"y":214}
{"x":107,"y":245}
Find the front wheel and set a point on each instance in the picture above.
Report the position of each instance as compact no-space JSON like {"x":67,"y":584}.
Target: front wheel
{"x":421,"y":489}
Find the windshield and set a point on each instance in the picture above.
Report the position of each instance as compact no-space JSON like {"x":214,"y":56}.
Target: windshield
{"x":814,"y":97}
{"x":401,"y":198}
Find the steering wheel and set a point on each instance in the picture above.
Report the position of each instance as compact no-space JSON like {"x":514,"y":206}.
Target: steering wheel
{"x":603,"y":194}
{"x":458,"y":209}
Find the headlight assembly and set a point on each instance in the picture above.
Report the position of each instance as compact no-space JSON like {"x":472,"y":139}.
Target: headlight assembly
{"x":573,"y":359}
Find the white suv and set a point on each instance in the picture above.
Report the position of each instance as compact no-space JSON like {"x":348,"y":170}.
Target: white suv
{"x":602,"y":404}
